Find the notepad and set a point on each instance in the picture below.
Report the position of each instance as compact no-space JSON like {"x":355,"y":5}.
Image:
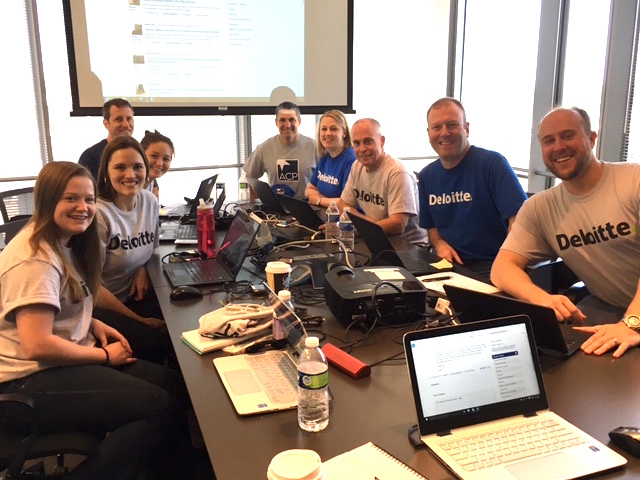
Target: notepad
{"x":367,"y":462}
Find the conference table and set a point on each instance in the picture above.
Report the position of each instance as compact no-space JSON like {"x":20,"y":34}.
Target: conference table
{"x":595,"y":393}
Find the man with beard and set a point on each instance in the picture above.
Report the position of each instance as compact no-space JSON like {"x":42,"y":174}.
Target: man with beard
{"x":591,"y":222}
{"x":289,"y":158}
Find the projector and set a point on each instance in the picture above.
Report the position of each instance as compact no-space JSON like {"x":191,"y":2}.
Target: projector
{"x":399,"y":296}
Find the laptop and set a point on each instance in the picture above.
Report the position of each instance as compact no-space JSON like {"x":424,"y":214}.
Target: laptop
{"x":484,"y":379}
{"x":190,"y":209}
{"x":304,"y":213}
{"x":270,"y":203}
{"x":266,"y":382}
{"x":228,"y":262}
{"x":382,"y":252}
{"x":187,"y":233}
{"x":552,"y":337}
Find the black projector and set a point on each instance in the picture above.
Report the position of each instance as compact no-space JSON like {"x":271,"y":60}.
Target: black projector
{"x":400,"y":297}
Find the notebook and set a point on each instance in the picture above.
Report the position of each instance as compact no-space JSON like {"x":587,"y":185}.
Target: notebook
{"x":228,"y":261}
{"x":304,"y":213}
{"x":190,"y":209}
{"x":187,"y":233}
{"x":383,"y":253}
{"x":265,"y":382}
{"x":552,"y":337}
{"x":483,"y":378}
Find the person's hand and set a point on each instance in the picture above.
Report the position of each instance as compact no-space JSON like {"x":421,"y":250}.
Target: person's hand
{"x":608,"y":337}
{"x":564,"y":308}
{"x":446,"y":251}
{"x":139,"y":284}
{"x":106,"y":334}
{"x":119,"y":355}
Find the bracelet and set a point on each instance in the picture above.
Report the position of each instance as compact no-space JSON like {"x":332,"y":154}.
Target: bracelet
{"x":318,"y":201}
{"x":106,"y":362}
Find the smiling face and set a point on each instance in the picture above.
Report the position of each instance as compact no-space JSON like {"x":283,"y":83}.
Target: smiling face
{"x":76,"y":208}
{"x":159,"y":155}
{"x":368,"y":144}
{"x":448,"y":133}
{"x":332,"y":135}
{"x":567,"y":150}
{"x":288,"y":123}
{"x":127,"y":173}
{"x":120,"y":122}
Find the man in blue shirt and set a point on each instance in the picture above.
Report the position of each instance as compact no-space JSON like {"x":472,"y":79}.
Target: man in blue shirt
{"x":469,"y":196}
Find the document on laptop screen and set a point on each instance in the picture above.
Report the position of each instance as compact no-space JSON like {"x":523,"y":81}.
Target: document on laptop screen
{"x":471,"y":369}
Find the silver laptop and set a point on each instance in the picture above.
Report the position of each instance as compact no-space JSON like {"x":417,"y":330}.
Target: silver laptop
{"x":480,"y":384}
{"x":265,"y":382}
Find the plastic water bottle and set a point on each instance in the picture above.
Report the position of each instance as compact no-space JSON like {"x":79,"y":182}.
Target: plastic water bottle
{"x":243,"y":186}
{"x":333,"y":217}
{"x":277,"y":330}
{"x":206,"y":226}
{"x":313,"y":387}
{"x":347,"y":234}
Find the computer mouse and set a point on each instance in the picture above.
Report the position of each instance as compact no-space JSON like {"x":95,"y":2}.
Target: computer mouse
{"x":185,"y":292}
{"x":627,"y":438}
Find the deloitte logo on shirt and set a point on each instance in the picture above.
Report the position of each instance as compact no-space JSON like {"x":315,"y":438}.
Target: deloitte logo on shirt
{"x":369,"y":197}
{"x":326,"y":178}
{"x":446,"y":199}
{"x":597,"y":234}
{"x":141,"y":240}
{"x":288,"y":170}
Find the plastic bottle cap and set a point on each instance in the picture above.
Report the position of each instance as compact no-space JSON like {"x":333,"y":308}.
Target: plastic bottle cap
{"x":204,"y":206}
{"x":346,"y":209}
{"x":284,"y":295}
{"x":312,"y":342}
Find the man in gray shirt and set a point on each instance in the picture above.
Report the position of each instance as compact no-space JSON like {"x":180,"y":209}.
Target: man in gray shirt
{"x":289,"y":158}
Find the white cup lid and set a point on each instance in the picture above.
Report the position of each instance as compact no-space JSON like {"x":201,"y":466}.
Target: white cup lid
{"x":296,"y":465}
{"x":278,"y":267}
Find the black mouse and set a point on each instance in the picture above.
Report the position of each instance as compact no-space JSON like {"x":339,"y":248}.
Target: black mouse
{"x":627,"y":438}
{"x":185,"y":292}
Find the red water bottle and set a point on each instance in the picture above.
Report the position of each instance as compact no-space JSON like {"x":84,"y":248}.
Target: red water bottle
{"x":206,"y":229}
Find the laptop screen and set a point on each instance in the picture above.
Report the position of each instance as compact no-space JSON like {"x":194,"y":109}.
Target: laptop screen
{"x":291,"y":324}
{"x":237,"y":241}
{"x":472,"y":373}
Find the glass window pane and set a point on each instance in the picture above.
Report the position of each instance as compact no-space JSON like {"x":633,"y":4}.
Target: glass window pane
{"x":499,"y":72}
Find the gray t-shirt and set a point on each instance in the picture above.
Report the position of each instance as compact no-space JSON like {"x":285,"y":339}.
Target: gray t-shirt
{"x":128,"y":240}
{"x":290,"y":165}
{"x":388,"y":190}
{"x":596,"y":234}
{"x":27,"y":279}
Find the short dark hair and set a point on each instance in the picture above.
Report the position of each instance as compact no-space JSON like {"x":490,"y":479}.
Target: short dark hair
{"x":114,"y":102}
{"x":105,"y":189}
{"x":155,"y":137}
{"x":288,"y":106}
{"x":440,"y":102}
{"x":586,"y":121}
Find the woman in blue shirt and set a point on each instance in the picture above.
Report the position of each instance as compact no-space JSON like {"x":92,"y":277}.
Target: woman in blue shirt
{"x":336,"y":157}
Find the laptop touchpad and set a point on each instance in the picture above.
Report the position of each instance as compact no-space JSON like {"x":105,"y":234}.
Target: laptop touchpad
{"x":558,"y":465}
{"x":242,"y":382}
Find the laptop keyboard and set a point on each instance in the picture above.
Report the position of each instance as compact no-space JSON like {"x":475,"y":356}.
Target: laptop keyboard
{"x":204,"y":271}
{"x":179,"y":210}
{"x":504,"y":445}
{"x":277,"y":374}
{"x":187,"y":231}
{"x":414,"y":263}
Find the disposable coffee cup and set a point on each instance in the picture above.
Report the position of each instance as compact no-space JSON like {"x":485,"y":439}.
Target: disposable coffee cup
{"x":296,"y":465}
{"x":278,"y":275}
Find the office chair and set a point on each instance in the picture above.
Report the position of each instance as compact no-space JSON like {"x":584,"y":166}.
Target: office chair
{"x":16,"y":204}
{"x":556,"y":278}
{"x":20,"y":442}
{"x":10,"y":229}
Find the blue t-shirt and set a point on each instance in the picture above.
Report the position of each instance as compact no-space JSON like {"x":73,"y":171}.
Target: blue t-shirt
{"x":331,"y":174}
{"x":470,"y":204}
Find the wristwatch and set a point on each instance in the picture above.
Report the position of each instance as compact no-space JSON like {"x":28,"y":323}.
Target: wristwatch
{"x":632,"y":321}
{"x":318,"y":201}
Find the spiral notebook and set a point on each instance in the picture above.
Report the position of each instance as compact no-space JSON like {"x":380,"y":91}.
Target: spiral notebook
{"x":367,"y":462}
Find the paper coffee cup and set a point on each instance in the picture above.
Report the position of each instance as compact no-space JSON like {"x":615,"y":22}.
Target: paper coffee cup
{"x":278,"y":275}
{"x":296,"y":465}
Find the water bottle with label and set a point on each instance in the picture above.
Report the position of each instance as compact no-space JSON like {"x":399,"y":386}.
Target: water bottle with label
{"x":206,"y":227}
{"x":243,"y":186}
{"x":313,"y":387}
{"x":333,"y":217}
{"x":346,"y":232}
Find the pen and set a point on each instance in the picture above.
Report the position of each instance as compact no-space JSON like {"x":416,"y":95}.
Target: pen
{"x":436,"y":279}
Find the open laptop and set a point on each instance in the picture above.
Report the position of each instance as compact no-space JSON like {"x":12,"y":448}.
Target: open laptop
{"x":304,"y":213}
{"x":190,"y":209}
{"x":187,"y":233}
{"x":382,"y":252}
{"x":484,"y":379}
{"x":228,"y":262}
{"x":270,"y":203}
{"x":265,"y":382}
{"x":552,"y":337}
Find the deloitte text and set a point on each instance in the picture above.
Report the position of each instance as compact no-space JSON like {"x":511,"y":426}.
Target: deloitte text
{"x":596,"y":235}
{"x":326,"y":178}
{"x":444,"y":199}
{"x":143,"y":238}
{"x":370,"y":197}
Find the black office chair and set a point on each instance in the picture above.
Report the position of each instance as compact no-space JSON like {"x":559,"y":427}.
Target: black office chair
{"x":16,"y":204}
{"x":10,"y":229}
{"x":556,"y":278}
{"x":20,"y":442}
